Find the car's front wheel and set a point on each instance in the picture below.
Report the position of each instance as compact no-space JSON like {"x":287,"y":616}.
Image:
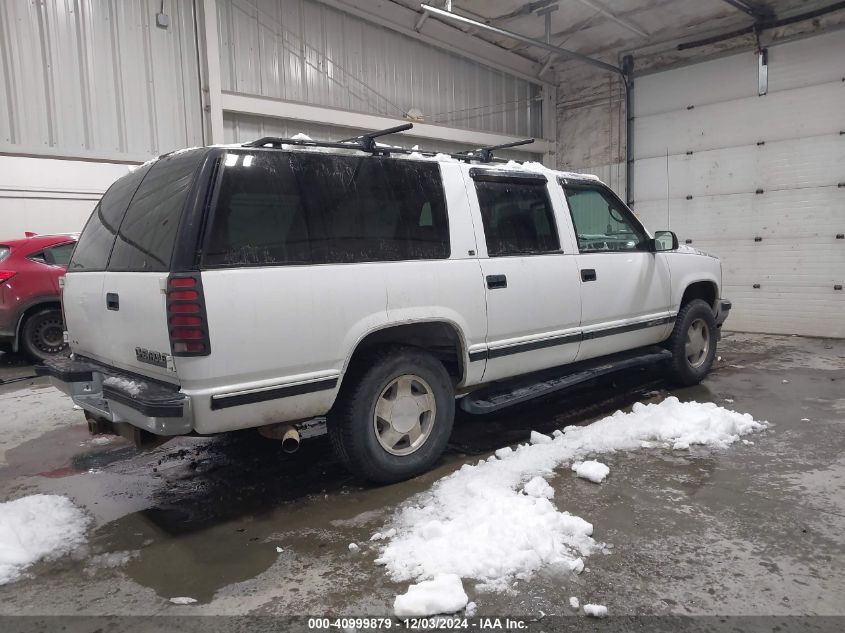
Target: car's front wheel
{"x":42,"y":335}
{"x":693,"y":343}
{"x":394,"y":414}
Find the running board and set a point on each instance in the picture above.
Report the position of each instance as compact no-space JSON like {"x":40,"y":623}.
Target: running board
{"x":505,"y":394}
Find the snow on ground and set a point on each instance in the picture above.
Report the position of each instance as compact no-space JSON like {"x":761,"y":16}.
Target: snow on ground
{"x":596,"y":610}
{"x":592,"y":470}
{"x":442,"y":594}
{"x":574,"y":602}
{"x":28,"y":414}
{"x":477,"y":523}
{"x":35,"y":528}
{"x":539,"y":487}
{"x":182,"y":600}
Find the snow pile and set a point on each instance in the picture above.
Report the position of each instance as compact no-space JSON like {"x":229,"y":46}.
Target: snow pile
{"x":539,"y":487}
{"x":493,"y":521}
{"x":596,"y":610}
{"x":35,"y":528}
{"x":591,"y":470}
{"x":182,"y":600}
{"x":443,"y":594}
{"x":129,"y":386}
{"x":574,"y":602}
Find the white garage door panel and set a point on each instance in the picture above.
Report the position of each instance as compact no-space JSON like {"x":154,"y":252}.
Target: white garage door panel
{"x":801,"y":63}
{"x":743,"y":121}
{"x":709,"y":196}
{"x":808,"y":162}
{"x":807,"y":62}
{"x":793,"y":311}
{"x":696,"y":85}
{"x":653,"y":214}
{"x":806,"y":262}
{"x":795,"y":212}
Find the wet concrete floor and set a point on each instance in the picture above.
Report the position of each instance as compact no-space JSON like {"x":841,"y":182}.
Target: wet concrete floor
{"x":748,"y":530}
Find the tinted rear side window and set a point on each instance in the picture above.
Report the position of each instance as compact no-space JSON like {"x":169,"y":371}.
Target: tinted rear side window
{"x":148,"y":232}
{"x":59,"y":255}
{"x":95,"y":243}
{"x":518,"y":218}
{"x":279,"y":208}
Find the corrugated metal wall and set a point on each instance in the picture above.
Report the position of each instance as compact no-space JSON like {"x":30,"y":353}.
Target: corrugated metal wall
{"x":301,"y":50}
{"x":98,"y":78}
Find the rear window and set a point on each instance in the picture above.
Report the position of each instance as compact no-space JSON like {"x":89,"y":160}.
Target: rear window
{"x":277,"y":208}
{"x":517,"y":217}
{"x":95,"y":243}
{"x":147,"y":234}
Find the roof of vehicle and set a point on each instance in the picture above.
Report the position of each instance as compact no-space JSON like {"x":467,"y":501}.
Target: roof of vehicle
{"x":366,"y":143}
{"x":394,"y":152}
{"x":40,"y":241}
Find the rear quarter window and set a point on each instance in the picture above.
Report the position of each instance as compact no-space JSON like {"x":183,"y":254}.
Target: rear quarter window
{"x":148,"y":232}
{"x":95,"y":244}
{"x":280,"y":208}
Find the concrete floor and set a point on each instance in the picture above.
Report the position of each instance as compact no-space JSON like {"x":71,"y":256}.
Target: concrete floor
{"x":751,"y":530}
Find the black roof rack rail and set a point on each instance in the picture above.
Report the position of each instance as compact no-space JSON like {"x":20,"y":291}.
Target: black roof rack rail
{"x":485,"y":154}
{"x":367,"y":143}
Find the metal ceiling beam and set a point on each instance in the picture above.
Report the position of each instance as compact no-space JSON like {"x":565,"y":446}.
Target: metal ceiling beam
{"x":754,"y":11}
{"x":561,"y":52}
{"x":627,"y":24}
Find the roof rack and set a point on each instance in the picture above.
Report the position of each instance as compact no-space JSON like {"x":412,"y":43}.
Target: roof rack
{"x":486,"y":153}
{"x":367,"y":143}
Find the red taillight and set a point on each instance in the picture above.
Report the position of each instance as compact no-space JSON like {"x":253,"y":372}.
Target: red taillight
{"x":6,"y":275}
{"x":185,"y":320}
{"x":186,"y":333}
{"x":186,"y":316}
{"x":184,"y":308}
{"x":184,"y":295}
{"x":191,"y":348}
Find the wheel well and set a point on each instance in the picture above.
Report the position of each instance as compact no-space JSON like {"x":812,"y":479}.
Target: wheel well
{"x":437,"y":337}
{"x":704,"y":290}
{"x":28,"y":313}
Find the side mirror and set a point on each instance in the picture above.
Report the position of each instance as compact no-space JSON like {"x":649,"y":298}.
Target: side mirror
{"x":665,"y":241}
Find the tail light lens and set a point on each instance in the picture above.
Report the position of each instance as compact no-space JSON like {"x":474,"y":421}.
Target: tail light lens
{"x":186,"y":318}
{"x":6,"y":275}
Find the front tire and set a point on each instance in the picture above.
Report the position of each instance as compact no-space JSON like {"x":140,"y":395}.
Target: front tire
{"x":42,"y":335}
{"x":393,"y":415}
{"x":693,"y":343}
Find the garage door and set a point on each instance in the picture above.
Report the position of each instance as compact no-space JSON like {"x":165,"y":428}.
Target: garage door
{"x":757,"y":180}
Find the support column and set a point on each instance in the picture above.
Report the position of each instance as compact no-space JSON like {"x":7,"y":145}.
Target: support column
{"x":208,"y":46}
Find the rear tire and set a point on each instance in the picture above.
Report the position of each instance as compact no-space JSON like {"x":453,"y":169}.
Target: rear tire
{"x":693,"y":343}
{"x":393,"y":415}
{"x":42,"y":335}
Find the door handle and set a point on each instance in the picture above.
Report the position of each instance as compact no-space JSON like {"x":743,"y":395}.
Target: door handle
{"x":112,"y":301}
{"x":588,"y":274}
{"x":497,"y":281}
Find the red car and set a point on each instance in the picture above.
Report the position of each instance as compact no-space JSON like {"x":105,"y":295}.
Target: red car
{"x":30,"y":307}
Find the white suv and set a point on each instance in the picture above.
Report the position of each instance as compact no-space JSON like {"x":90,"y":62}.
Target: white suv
{"x":269,"y":284}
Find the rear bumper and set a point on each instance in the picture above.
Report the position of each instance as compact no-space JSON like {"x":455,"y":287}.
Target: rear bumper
{"x":120,"y":397}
